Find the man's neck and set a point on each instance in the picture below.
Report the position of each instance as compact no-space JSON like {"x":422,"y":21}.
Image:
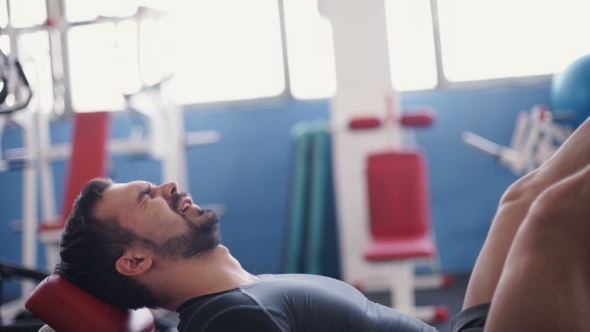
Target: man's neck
{"x":186,"y":279}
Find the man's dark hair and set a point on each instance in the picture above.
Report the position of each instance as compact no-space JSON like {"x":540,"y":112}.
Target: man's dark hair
{"x":90,"y":247}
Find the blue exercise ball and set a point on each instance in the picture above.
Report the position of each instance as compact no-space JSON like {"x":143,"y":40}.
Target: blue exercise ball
{"x":570,"y":90}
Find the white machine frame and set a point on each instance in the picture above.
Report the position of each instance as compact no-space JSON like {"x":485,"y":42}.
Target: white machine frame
{"x":364,"y":88}
{"x":535,"y":139}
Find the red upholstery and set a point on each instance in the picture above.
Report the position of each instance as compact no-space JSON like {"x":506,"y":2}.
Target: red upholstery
{"x":67,"y":308}
{"x":89,"y":151}
{"x":398,"y":207}
{"x":384,"y":249}
{"x":417,"y":118}
{"x":364,"y":123}
{"x":413,"y":118}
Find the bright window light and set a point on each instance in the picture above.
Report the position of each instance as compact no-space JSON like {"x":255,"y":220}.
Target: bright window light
{"x":310,"y":50}
{"x":411,"y":44}
{"x":228,"y":50}
{"x":487,"y":39}
{"x":33,"y":50}
{"x":126,"y":49}
{"x":94,"y":70}
{"x":26,"y":13}
{"x":167,"y":48}
{"x":5,"y":44}
{"x":150,"y":52}
{"x":3,"y":14}
{"x":88,"y":10}
{"x":82,"y":10}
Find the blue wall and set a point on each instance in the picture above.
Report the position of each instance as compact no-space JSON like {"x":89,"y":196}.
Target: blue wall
{"x":465,"y":184}
{"x":248,"y":171}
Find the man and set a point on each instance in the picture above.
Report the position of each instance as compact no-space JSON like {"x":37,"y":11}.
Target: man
{"x":134,"y":245}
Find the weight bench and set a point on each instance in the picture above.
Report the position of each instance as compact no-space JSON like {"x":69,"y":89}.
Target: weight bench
{"x":66,"y":308}
{"x":399,"y":224}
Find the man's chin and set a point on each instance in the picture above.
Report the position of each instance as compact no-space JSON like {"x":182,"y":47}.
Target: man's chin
{"x":202,"y":217}
{"x":209,"y":215}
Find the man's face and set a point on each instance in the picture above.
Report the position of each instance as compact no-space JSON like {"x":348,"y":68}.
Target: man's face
{"x":165,"y":220}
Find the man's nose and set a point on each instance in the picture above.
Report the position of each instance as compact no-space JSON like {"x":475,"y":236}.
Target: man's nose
{"x":168,"y":189}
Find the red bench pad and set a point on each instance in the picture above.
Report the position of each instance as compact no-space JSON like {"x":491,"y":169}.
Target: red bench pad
{"x":67,"y":308}
{"x":385,"y":249}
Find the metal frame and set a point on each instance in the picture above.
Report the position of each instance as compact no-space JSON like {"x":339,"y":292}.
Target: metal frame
{"x":443,"y":84}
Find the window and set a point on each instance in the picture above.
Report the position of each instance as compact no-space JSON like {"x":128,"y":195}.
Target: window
{"x":149,"y":61}
{"x":103,"y":65}
{"x":219,"y":50}
{"x":107,"y":62}
{"x":161,"y":61}
{"x":26,"y":13}
{"x":3,"y":14}
{"x":310,"y":50}
{"x":228,"y":50}
{"x":311,"y":55}
{"x":487,"y":39}
{"x":411,"y":44}
{"x":33,"y":50}
{"x":88,"y":10}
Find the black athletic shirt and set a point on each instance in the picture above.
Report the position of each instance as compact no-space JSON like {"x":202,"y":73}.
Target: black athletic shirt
{"x":293,"y":302}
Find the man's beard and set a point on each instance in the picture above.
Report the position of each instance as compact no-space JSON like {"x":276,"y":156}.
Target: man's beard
{"x":198,"y":241}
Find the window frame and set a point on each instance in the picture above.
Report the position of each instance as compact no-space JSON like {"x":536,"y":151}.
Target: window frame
{"x":284,"y":96}
{"x":56,"y":11}
{"x":445,"y":85}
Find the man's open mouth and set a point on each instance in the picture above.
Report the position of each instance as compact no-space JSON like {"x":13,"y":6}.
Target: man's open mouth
{"x":185,"y":203}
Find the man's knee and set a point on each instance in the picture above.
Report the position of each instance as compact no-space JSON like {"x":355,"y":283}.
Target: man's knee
{"x":561,"y":212}
{"x":527,"y":189}
{"x":524,"y":189}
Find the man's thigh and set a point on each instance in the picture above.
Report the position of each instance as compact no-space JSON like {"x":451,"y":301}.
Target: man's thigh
{"x":544,"y":284}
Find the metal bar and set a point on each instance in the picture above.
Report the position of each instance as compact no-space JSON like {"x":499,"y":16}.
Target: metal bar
{"x":62,"y":24}
{"x":442,"y":80}
{"x":287,"y":91}
{"x":29,"y":204}
{"x":482,"y":144}
{"x":9,"y":30}
{"x":11,"y":270}
{"x":116,"y":146}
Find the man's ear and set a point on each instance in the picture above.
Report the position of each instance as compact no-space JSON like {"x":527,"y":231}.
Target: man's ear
{"x":134,"y":262}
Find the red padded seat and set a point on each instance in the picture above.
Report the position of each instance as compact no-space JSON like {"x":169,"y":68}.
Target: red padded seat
{"x":385,"y":249}
{"x":398,"y":207}
{"x":364,"y":123}
{"x":67,"y":308}
{"x":418,"y":118}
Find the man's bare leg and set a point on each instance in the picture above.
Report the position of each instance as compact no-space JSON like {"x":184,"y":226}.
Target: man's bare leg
{"x":545,"y":283}
{"x":514,"y":205}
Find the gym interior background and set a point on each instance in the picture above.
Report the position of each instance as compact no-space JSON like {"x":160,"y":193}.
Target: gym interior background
{"x":251,"y":70}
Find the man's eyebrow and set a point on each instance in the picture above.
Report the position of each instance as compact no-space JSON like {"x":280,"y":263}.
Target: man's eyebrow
{"x":144,"y":192}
